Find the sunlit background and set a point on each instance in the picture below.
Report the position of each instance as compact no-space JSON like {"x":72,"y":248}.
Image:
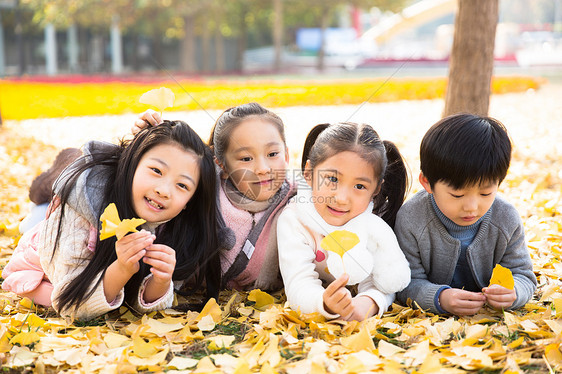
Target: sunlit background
{"x":254,"y":37}
{"x":74,"y":70}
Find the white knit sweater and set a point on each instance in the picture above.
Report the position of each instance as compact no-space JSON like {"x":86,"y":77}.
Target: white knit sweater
{"x":72,"y":257}
{"x":299,"y":231}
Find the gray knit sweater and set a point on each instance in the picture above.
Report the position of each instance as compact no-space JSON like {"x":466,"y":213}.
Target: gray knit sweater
{"x":433,"y":253}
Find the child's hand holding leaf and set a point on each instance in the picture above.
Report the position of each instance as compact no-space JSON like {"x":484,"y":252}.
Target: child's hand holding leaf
{"x":131,"y":249}
{"x":337,"y":299}
{"x":501,"y":294}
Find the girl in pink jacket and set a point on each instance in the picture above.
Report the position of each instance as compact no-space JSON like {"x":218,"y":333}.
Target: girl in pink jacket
{"x":165,"y":176}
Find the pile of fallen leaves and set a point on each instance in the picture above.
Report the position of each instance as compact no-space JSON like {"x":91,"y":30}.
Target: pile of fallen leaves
{"x":255,"y":332}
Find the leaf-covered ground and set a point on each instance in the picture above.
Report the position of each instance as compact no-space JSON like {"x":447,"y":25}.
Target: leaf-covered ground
{"x":255,"y":332}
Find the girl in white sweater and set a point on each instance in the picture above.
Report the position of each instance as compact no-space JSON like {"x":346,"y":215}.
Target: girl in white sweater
{"x":330,"y":235}
{"x":165,"y":175}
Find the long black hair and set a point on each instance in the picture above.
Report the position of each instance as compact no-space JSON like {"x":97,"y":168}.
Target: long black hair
{"x":326,"y":140}
{"x":192,"y":233}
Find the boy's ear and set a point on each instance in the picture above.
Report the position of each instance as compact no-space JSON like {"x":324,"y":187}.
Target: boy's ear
{"x":307,"y":173}
{"x":224,"y":174}
{"x":425,"y":183}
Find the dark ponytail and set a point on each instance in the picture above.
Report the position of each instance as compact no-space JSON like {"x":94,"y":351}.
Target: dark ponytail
{"x":395,"y":186}
{"x":310,"y":140}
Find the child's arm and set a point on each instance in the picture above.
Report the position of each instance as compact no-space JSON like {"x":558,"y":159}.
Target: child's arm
{"x":437,"y":298}
{"x":148,"y":118}
{"x":516,"y":258}
{"x":499,"y":297}
{"x":163,"y":261}
{"x":421,"y":290}
{"x":303,"y":287}
{"x":390,"y":272}
{"x":461,"y":302}
{"x":337,"y":299}
{"x":130,"y":250}
{"x":70,"y":260}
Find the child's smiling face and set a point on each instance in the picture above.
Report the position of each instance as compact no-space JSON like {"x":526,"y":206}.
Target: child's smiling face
{"x":342,"y":187}
{"x":256,"y":159}
{"x":165,"y":180}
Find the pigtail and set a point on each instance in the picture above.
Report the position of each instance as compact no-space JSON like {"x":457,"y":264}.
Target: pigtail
{"x":211,"y":141}
{"x":310,"y":140}
{"x":395,"y":186}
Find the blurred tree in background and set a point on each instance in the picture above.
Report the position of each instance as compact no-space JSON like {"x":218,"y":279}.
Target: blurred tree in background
{"x":472,"y":58}
{"x":189,"y":36}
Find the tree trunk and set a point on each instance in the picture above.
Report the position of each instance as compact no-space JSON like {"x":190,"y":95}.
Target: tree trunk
{"x":325,"y":18}
{"x":220,"y":63}
{"x":157,"y":53}
{"x":206,"y":48}
{"x":116,"y":46}
{"x":187,"y":63}
{"x":72,"y":48}
{"x":472,"y":57}
{"x":97,"y":55}
{"x":278,"y":33}
{"x":242,"y":40}
{"x":2,"y":58}
{"x":50,"y":50}
{"x":19,"y":40}
{"x":135,"y":58}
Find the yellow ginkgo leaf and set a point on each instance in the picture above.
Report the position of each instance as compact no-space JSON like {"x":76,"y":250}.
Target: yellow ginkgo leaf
{"x":206,"y":323}
{"x":339,"y":241}
{"x":261,"y":298}
{"x":160,"y":98}
{"x":111,"y":224}
{"x":503,"y":277}
{"x":144,"y":349}
{"x":211,"y":308}
{"x":360,"y":341}
{"x":25,"y":338}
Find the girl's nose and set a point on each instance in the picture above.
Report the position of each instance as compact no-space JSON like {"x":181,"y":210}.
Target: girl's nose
{"x":162,"y":190}
{"x":262,"y":166}
{"x":342,"y":196}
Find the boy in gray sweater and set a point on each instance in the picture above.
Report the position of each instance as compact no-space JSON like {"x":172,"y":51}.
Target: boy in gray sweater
{"x":455,"y":230}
